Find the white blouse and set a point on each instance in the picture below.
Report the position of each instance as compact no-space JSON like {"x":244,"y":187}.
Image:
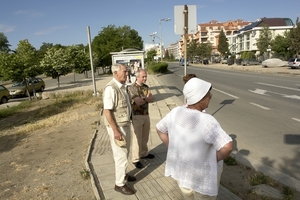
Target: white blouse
{"x":194,"y":139}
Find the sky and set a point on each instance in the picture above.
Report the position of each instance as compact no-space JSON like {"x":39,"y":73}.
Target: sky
{"x":65,"y":22}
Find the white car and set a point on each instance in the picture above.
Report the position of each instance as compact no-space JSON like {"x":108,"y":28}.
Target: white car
{"x":294,"y":63}
{"x":274,"y":62}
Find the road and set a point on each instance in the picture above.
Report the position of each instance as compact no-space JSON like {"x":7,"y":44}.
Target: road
{"x":260,"y":111}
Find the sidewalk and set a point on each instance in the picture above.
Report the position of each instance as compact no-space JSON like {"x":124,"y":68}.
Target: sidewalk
{"x":151,"y":182}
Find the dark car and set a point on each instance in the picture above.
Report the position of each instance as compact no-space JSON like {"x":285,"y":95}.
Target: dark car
{"x":250,"y":62}
{"x":181,"y":62}
{"x":19,"y":88}
{"x":4,"y":94}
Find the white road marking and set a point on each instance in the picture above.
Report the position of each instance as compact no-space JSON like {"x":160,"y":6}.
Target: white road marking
{"x":259,"y":91}
{"x":278,"y":86}
{"x":296,"y":119}
{"x":226,"y":93}
{"x":265,"y":108}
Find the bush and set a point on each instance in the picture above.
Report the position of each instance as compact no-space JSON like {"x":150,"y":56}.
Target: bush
{"x":158,"y":67}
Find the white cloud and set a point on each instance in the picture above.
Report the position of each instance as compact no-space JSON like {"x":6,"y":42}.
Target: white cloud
{"x":28,"y":13}
{"x":50,"y":30}
{"x":6,"y":28}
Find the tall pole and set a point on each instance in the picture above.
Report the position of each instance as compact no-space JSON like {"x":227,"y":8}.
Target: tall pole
{"x":161,"y":54}
{"x":185,"y":17}
{"x":185,"y":27}
{"x":91,"y":60}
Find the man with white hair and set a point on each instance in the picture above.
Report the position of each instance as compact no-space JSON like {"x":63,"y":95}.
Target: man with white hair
{"x":117,"y":112}
{"x":196,"y":143}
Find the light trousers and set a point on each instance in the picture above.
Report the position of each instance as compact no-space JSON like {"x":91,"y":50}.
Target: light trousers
{"x":120,"y":154}
{"x":140,"y":136}
{"x":189,"y":194}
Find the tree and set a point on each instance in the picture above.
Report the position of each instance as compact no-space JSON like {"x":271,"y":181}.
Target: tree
{"x":80,"y":59}
{"x":56,"y":62}
{"x":4,"y":44}
{"x":205,"y":50}
{"x":167,"y":56}
{"x":280,"y":46}
{"x":21,"y":65}
{"x":223,"y":44}
{"x":41,"y":52}
{"x":264,"y":40}
{"x":150,"y":55}
{"x":294,"y":39}
{"x":114,"y":39}
{"x":192,"y":49}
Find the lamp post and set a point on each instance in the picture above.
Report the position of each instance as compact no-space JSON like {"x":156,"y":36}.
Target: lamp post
{"x":164,"y":19}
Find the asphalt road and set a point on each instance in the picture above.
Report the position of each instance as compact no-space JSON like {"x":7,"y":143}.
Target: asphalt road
{"x":261,"y":111}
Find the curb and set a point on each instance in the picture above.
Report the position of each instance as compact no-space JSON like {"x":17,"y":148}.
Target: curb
{"x":94,"y":180}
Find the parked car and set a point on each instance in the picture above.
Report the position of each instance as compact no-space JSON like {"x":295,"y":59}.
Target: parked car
{"x":224,"y":61}
{"x":181,"y":62}
{"x":19,"y":88}
{"x":274,"y":62}
{"x":294,"y":63}
{"x":4,"y":94}
{"x":250,"y":62}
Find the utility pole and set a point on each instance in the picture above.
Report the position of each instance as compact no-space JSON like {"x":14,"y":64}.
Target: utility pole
{"x":185,"y":29}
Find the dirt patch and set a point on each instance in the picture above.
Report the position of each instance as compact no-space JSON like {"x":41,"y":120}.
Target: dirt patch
{"x":46,"y":164}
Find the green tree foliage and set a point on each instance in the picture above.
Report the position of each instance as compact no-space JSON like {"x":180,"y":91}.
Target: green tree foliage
{"x":22,"y":64}
{"x":264,"y":40}
{"x":205,"y":50}
{"x":223,"y":44}
{"x":248,"y":55}
{"x":79,"y":59}
{"x":150,"y":55}
{"x":167,"y":55}
{"x":280,"y":46}
{"x":56,"y":62}
{"x":4,"y":44}
{"x":294,"y":39}
{"x":114,"y":39}
{"x":193,"y":49}
{"x":43,"y":49}
{"x":201,"y":50}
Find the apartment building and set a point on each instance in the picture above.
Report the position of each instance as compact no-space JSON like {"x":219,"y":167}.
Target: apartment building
{"x":175,"y":50}
{"x":246,"y":38}
{"x":242,"y":36}
{"x":209,"y":32}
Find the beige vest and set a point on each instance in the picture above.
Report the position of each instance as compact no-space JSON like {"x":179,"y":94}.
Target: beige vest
{"x":121,"y":110}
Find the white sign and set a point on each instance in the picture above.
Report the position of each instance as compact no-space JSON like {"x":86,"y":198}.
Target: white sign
{"x":179,"y":19}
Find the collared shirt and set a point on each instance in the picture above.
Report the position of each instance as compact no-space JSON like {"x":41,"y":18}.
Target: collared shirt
{"x":137,"y":90}
{"x":108,"y":101}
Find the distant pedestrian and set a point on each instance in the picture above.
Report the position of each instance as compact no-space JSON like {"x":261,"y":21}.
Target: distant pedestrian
{"x":196,"y":142}
{"x":140,"y":99}
{"x":117,"y":111}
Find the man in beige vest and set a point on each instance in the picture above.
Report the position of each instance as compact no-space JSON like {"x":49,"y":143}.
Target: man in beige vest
{"x":117,"y":111}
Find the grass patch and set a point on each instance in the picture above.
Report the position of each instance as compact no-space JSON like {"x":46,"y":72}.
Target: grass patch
{"x":33,"y":115}
{"x":85,"y":174}
{"x":258,"y":179}
{"x":230,"y":161}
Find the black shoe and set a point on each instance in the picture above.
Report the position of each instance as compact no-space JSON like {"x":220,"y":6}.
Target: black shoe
{"x":124,"y":190}
{"x":130,"y":178}
{"x":139,"y":165}
{"x":149,"y":156}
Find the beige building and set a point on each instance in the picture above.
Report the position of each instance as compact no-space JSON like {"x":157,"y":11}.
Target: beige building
{"x":210,"y":32}
{"x":242,"y":36}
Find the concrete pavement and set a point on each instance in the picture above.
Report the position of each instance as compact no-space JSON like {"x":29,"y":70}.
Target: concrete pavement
{"x":151,"y":182}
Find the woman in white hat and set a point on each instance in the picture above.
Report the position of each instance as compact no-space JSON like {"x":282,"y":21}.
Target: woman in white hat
{"x":196,"y":142}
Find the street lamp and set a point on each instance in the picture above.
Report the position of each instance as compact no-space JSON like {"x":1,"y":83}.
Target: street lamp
{"x":165,"y":19}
